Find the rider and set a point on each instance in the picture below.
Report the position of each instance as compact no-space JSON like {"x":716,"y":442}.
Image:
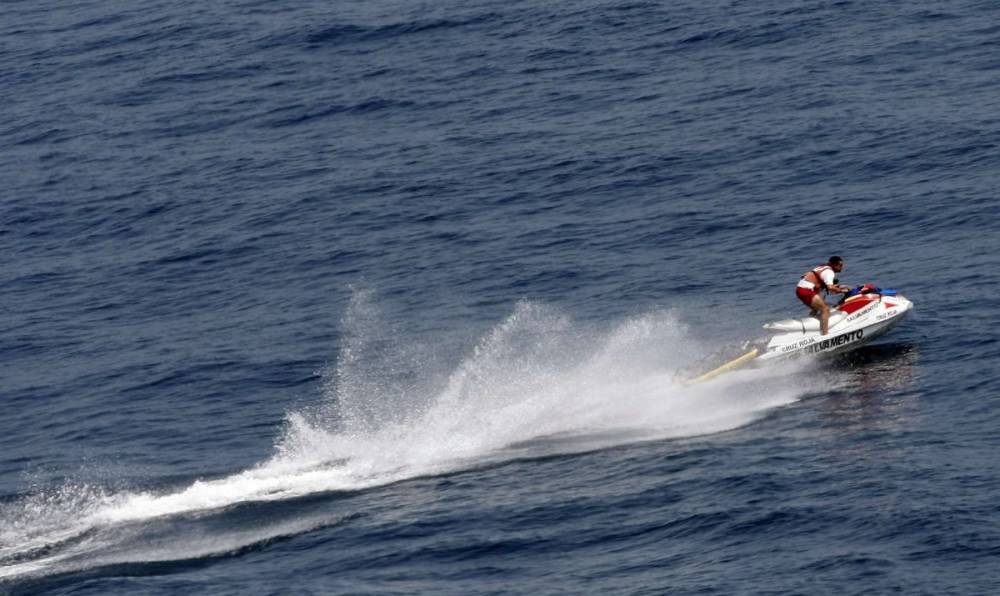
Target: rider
{"x":815,"y":280}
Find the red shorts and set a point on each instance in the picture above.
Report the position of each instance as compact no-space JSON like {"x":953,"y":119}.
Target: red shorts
{"x":806,"y":296}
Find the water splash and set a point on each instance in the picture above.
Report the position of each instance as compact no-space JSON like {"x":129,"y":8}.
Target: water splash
{"x":538,"y":383}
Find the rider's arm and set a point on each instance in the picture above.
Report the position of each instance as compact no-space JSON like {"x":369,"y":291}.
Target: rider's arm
{"x":831,"y":286}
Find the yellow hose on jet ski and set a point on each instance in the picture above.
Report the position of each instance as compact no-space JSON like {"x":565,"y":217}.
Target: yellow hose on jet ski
{"x":732,"y":365}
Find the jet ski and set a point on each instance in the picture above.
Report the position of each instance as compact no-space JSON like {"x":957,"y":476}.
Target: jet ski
{"x":865,"y":313}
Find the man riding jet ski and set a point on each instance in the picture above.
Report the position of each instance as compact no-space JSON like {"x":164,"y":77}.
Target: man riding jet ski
{"x":864,"y":313}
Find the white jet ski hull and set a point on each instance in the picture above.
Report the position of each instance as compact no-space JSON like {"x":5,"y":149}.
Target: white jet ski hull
{"x":855,"y":322}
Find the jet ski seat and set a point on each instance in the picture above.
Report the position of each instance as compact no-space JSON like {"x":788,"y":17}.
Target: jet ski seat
{"x":805,"y":324}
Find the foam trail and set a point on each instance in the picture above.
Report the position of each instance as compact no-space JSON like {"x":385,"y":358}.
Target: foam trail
{"x":537,"y":379}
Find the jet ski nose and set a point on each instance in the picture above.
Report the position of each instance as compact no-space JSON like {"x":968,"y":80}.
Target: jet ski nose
{"x":899,"y":302}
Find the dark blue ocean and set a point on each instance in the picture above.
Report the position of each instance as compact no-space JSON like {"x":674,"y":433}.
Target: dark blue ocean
{"x":391,"y":297}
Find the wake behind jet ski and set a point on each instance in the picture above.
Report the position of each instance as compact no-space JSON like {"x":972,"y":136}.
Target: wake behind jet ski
{"x":865,"y":313}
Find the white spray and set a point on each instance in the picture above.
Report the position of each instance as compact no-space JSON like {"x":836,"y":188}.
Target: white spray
{"x":388,"y":415}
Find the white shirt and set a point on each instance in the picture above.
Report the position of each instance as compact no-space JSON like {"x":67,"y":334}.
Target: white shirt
{"x":827,"y":275}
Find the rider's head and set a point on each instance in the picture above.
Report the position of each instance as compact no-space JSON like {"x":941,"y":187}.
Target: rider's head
{"x":836,"y":263}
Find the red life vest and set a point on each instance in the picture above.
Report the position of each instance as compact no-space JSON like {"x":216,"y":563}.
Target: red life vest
{"x":819,"y":283}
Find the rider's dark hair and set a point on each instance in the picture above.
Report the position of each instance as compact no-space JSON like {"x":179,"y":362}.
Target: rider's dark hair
{"x":835,"y":260}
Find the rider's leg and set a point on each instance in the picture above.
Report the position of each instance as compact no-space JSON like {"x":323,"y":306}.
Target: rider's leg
{"x":819,"y":304}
